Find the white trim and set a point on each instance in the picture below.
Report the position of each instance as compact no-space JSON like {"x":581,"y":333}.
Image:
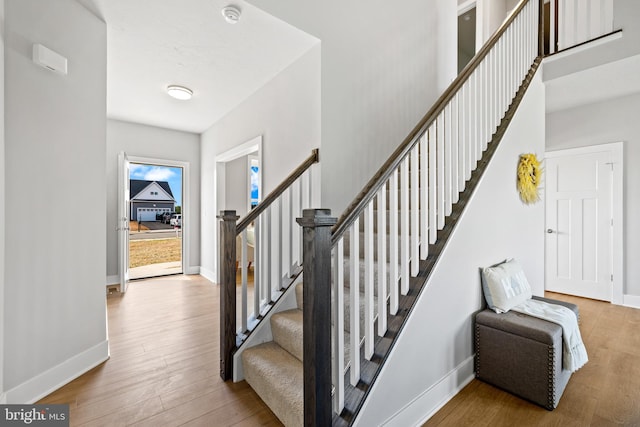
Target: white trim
{"x":113,"y":280}
{"x":186,"y":200}
{"x":617,"y":251}
{"x":208,"y":274}
{"x":43,"y":384}
{"x":466,"y":6}
{"x":248,"y":147}
{"x":424,"y":406}
{"x":632,"y":301}
{"x":581,"y":48}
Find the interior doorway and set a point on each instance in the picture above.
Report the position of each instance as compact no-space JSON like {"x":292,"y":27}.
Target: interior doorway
{"x":466,"y":35}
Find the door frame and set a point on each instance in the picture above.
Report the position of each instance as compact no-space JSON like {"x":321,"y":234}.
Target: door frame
{"x":616,"y":149}
{"x":250,"y":147}
{"x":186,"y":201}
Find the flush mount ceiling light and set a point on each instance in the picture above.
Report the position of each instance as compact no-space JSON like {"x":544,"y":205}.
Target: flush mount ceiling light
{"x":179,"y":92}
{"x":231,"y":14}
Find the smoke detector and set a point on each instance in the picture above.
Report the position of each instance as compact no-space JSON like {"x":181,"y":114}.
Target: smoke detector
{"x":231,"y":14}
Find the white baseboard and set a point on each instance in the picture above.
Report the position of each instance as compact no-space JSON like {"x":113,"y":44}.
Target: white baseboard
{"x":423,"y":407}
{"x":113,"y":280}
{"x":208,"y":274}
{"x":45,"y":383}
{"x":632,"y":301}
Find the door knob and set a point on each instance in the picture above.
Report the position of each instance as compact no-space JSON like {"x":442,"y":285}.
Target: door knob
{"x":550,"y":231}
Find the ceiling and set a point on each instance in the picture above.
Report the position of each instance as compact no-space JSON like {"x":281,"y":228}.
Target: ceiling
{"x":155,"y":43}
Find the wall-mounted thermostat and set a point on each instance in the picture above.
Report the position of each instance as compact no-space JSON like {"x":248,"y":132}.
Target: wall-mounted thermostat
{"x":49,"y":59}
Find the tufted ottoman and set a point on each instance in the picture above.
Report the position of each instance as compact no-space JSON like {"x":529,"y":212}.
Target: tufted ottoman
{"x":522,"y":354}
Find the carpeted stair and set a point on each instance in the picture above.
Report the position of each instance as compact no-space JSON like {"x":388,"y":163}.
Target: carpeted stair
{"x":274,"y":369}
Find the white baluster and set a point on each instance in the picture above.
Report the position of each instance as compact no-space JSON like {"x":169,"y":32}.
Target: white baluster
{"x":354,"y":300}
{"x":447,"y":169}
{"x":368,"y":281}
{"x":382,"y":260}
{"x":414,"y":212}
{"x":259,"y":263}
{"x":269,"y":264}
{"x":243,"y":267}
{"x":453,"y":129}
{"x":440,"y":190}
{"x":424,"y":196}
{"x":404,"y":226}
{"x":393,"y":242}
{"x":433,"y":226}
{"x":338,"y":328}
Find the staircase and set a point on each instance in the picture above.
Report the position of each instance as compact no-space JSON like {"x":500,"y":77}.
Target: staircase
{"x":364,"y":272}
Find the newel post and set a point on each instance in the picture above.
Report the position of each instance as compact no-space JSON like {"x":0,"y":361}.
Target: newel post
{"x":227,"y":291}
{"x":316,"y":243}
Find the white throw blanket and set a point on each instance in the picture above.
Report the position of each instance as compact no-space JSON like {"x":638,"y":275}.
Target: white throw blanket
{"x":574,"y":354}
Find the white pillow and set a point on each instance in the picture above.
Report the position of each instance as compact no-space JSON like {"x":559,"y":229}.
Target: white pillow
{"x":505,"y":286}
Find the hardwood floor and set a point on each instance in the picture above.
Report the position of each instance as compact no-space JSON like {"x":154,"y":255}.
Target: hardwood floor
{"x":163,"y":370}
{"x":605,"y":392}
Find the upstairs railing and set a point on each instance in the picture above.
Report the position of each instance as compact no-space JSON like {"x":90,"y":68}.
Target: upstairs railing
{"x":573,"y":22}
{"x":376,"y":246}
{"x":270,"y":231}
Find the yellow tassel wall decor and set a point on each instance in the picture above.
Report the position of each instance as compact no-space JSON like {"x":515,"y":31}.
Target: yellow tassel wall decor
{"x":529,"y":176}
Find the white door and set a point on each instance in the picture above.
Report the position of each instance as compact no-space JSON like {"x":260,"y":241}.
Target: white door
{"x":579,"y":219}
{"x":124,"y":198}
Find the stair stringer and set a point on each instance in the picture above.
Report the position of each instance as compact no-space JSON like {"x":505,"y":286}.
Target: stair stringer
{"x":262,"y":332}
{"x":432,"y":358}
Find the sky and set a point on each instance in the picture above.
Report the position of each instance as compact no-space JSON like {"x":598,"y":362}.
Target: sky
{"x":159,"y":173}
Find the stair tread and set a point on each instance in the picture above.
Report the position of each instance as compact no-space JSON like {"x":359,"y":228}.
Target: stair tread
{"x":286,"y":328}
{"x":277,"y":377}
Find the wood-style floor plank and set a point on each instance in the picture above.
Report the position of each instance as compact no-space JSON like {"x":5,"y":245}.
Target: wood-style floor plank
{"x":605,"y":392}
{"x":164,"y":364}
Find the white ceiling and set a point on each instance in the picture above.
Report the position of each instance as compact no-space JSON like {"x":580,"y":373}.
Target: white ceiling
{"x":596,"y":84}
{"x":155,"y":43}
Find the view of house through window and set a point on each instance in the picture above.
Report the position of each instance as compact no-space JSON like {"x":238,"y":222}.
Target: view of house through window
{"x":155,"y":210}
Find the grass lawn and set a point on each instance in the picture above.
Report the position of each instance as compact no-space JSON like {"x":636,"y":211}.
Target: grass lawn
{"x":154,"y":251}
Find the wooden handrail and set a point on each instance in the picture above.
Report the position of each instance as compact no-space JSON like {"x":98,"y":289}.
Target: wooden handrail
{"x":357,"y":206}
{"x":273,"y":196}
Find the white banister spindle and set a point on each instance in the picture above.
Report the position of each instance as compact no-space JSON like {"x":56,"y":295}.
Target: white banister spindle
{"x":462,"y":167}
{"x":267,"y":283}
{"x":404,"y":227}
{"x":244,"y":281}
{"x":393,"y":242}
{"x":433,"y":226}
{"x":483,"y":105}
{"x":291,"y":215}
{"x":382,"y":260}
{"x":368,"y":281}
{"x":424,"y":195}
{"x":440,"y":190}
{"x":338,"y":328}
{"x":446,"y":144}
{"x":453,"y":129}
{"x":354,"y":299}
{"x":280,"y":239}
{"x":260,"y":264}
{"x":414,"y":212}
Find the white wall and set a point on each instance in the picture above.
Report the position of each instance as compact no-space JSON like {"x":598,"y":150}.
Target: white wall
{"x":237,"y":193}
{"x":600,"y":123}
{"x":55,"y":145}
{"x":2,"y":212}
{"x":286,"y":112}
{"x":157,"y":143}
{"x":434,"y":353}
{"x":379,"y":77}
